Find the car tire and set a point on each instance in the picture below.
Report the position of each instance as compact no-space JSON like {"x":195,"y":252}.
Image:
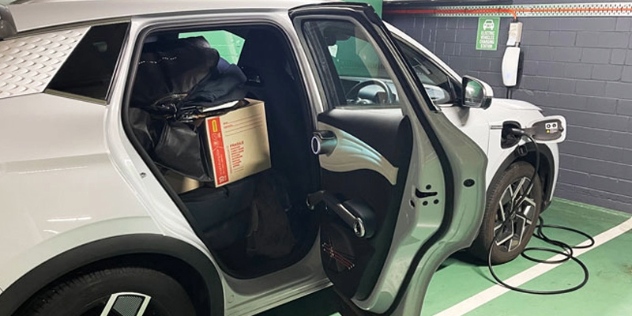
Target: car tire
{"x":516,"y":232}
{"x":88,"y":294}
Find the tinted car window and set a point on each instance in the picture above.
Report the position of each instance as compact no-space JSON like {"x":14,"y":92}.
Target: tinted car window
{"x":90,"y":67}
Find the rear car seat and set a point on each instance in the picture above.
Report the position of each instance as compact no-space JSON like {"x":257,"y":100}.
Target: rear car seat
{"x":222,"y":213}
{"x":174,"y":68}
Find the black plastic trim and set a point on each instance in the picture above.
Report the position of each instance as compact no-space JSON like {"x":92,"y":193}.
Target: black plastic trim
{"x":549,"y":185}
{"x":115,"y":73}
{"x":26,"y":286}
{"x":548,"y":156}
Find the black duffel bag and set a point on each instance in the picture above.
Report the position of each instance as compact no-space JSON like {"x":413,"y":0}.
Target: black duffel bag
{"x":181,"y":149}
{"x":182,"y":146}
{"x":176,"y":95}
{"x":170,"y":69}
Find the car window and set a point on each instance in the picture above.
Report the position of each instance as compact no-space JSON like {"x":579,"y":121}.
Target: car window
{"x":436,"y":82}
{"x":89,"y":69}
{"x":354,"y":57}
{"x":227,"y":44}
{"x":350,"y":65}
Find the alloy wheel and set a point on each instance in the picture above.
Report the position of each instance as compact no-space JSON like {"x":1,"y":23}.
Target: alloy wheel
{"x":514,"y":215}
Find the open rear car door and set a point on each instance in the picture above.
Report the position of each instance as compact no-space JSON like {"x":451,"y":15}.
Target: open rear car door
{"x":402,"y":188}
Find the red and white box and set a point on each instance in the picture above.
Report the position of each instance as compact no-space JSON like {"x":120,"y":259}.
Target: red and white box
{"x":238,"y":143}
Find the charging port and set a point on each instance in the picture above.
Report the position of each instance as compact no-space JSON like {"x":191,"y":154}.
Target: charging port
{"x":509,"y":139}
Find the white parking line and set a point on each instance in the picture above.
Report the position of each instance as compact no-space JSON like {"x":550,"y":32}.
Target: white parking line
{"x":521,"y":278}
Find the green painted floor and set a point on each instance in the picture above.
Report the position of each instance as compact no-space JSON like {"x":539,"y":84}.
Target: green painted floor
{"x":608,"y":292}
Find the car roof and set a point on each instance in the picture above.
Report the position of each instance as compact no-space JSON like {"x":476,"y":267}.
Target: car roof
{"x":29,"y":15}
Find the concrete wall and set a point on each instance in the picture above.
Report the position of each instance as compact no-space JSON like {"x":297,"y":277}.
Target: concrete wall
{"x":579,"y":67}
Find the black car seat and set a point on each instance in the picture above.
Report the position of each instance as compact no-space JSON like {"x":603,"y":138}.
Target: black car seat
{"x":266,"y":63}
{"x":175,"y":67}
{"x":223,"y":213}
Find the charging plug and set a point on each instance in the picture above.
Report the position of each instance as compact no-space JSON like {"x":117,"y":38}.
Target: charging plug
{"x":518,"y":131}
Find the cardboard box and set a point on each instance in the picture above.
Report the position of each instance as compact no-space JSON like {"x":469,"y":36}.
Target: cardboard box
{"x":238,"y":143}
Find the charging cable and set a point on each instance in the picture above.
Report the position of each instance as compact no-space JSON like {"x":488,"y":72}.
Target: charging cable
{"x":567,"y":250}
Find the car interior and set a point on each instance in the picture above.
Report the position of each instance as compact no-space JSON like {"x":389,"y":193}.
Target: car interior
{"x":262,"y":223}
{"x":258,"y":224}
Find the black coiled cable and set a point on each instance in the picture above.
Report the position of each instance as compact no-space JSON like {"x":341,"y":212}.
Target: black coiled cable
{"x":567,"y":251}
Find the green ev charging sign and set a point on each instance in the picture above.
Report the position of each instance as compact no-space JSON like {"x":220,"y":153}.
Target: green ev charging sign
{"x":487,"y":35}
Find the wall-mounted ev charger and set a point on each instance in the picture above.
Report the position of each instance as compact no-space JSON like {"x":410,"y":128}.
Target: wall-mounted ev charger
{"x":511,"y":59}
{"x":510,"y":66}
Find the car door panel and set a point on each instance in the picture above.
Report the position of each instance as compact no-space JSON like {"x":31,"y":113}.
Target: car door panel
{"x":352,"y":154}
{"x":380,"y":129}
{"x":370,"y":144}
{"x":354,"y":264}
{"x":419,"y":218}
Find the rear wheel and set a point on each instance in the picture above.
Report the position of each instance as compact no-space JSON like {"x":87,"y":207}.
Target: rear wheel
{"x":119,"y":291}
{"x":507,"y":232}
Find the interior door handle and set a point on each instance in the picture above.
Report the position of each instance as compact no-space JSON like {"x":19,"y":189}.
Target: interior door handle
{"x":355,"y":213}
{"x":323,"y":142}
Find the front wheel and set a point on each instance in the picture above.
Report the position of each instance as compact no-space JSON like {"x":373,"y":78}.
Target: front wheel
{"x":128,"y":291}
{"x":507,"y":232}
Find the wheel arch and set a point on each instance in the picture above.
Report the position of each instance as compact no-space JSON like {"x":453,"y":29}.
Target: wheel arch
{"x":182,"y":261}
{"x":546,"y":172}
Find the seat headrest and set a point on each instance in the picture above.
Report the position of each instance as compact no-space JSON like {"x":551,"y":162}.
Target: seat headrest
{"x":262,"y":45}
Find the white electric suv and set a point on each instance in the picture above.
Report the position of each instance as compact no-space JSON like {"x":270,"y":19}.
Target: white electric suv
{"x":107,"y":200}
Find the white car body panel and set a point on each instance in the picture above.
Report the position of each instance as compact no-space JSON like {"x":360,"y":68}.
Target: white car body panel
{"x":472,"y":122}
{"x":28,"y":16}
{"x":67,"y":179}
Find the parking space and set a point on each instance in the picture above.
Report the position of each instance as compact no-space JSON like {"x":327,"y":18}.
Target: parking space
{"x":459,"y":278}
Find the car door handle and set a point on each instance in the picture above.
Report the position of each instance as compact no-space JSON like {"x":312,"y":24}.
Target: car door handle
{"x":323,"y":142}
{"x":355,"y":213}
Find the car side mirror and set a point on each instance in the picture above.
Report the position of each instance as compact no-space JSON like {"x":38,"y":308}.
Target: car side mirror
{"x":550,"y":129}
{"x":476,"y":93}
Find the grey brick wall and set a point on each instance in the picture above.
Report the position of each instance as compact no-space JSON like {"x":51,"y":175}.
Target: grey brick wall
{"x":579,"y":67}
